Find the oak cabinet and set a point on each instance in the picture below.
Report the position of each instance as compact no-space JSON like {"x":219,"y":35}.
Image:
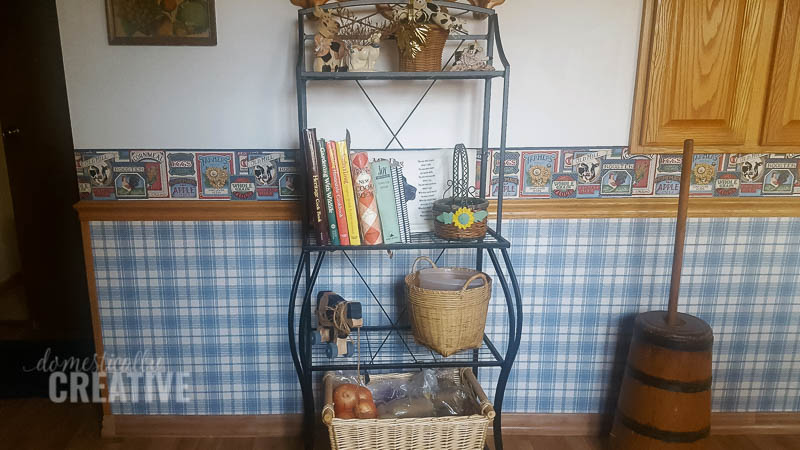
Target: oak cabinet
{"x":725,"y":73}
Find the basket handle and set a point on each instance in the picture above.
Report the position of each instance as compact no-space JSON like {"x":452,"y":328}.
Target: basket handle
{"x":473,"y":278}
{"x":487,"y":410}
{"x":327,"y":411}
{"x":422,"y":258}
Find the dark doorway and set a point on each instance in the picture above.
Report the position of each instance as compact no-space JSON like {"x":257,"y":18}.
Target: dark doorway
{"x":37,"y":141}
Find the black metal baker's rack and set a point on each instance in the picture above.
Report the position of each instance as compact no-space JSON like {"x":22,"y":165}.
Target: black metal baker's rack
{"x":306,"y":357}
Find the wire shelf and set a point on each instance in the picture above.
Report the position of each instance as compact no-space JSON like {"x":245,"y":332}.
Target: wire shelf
{"x":418,"y":241}
{"x":402,"y":75}
{"x":388,"y":348}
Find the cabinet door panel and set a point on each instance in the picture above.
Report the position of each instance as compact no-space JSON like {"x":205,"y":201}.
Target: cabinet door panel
{"x":782,"y":121}
{"x":702,"y":69}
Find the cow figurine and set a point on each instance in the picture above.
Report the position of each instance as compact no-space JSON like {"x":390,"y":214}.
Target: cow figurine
{"x":364,"y":57}
{"x":330,"y":51}
{"x":471,"y":59}
{"x":415,"y":9}
{"x":442,"y":19}
{"x":426,"y":12}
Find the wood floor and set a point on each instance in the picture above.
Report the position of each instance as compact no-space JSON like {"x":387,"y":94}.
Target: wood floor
{"x":40,"y":425}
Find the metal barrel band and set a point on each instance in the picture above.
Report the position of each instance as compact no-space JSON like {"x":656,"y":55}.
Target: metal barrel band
{"x":685,"y":387}
{"x":670,"y":343}
{"x":683,"y":437}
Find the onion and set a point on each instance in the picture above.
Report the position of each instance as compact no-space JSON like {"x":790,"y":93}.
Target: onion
{"x":366,"y":410}
{"x":345,"y":397}
{"x":364,"y":395}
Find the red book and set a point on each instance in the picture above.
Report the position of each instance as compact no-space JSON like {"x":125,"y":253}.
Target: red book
{"x":338,"y":198}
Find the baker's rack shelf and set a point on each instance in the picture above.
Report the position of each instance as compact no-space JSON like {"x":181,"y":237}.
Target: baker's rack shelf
{"x":418,"y":241}
{"x":391,"y":346}
{"x":360,"y":76}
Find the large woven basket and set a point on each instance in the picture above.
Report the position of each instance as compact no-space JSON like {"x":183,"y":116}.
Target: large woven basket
{"x":430,"y":58}
{"x":440,"y":433}
{"x":448,"y":321}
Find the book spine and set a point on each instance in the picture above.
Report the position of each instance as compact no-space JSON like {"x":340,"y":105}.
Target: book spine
{"x":338,"y":198}
{"x":405,"y":222}
{"x":398,"y":204}
{"x":384,"y":193}
{"x":366,"y":204}
{"x":347,"y":193}
{"x":319,"y":217}
{"x":325,"y":174}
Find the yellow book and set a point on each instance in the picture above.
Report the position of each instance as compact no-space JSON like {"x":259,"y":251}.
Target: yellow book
{"x":347,"y":192}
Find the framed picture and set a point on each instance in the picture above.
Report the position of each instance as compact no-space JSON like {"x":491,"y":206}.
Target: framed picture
{"x":161,"y":22}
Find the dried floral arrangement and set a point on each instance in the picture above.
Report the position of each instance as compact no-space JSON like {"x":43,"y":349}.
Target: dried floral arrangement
{"x":363,"y":38}
{"x":360,"y":30}
{"x":412,"y":25}
{"x":420,"y":28}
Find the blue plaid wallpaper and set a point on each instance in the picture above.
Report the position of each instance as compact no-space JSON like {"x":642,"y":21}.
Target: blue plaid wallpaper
{"x":210,"y":299}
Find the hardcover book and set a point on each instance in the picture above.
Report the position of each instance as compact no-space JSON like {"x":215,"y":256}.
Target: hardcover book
{"x":366,"y":204}
{"x":327,"y":191}
{"x":319,"y":214}
{"x":398,"y":182}
{"x":347,"y":193}
{"x":384,"y":193}
{"x":338,"y":198}
{"x":318,"y":211}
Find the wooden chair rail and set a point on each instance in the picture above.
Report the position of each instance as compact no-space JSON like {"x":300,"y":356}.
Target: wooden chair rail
{"x":152,"y":210}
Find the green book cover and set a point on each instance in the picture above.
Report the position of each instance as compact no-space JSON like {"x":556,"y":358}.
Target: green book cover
{"x":384,"y":193}
{"x":326,"y":183}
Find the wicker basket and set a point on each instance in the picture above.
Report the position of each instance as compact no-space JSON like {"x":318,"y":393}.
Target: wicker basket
{"x":448,"y":321}
{"x":441,"y":433}
{"x":451,"y":232}
{"x":430,"y":58}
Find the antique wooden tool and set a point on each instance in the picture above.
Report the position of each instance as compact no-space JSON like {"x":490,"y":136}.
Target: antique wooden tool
{"x":336,"y":318}
{"x":665,"y":401}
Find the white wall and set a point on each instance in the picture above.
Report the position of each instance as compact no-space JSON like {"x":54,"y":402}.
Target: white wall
{"x":573,"y":65}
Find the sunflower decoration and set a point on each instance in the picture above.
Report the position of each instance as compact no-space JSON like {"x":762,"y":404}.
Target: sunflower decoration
{"x":703,"y":173}
{"x":539,"y":175}
{"x":463,"y":218}
{"x":217,"y":177}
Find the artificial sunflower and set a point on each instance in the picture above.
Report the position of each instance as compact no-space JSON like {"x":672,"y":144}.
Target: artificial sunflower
{"x":463,"y":218}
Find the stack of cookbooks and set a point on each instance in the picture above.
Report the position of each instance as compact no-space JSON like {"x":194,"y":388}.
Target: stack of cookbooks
{"x":354,"y":200}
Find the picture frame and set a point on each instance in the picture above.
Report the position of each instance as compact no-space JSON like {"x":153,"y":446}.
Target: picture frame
{"x":161,"y":22}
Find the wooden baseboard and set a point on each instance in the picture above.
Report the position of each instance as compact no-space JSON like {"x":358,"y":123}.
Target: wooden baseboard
{"x":555,"y":424}
{"x":599,"y":424}
{"x":513,"y":424}
{"x":755,"y":423}
{"x":278,"y":425}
